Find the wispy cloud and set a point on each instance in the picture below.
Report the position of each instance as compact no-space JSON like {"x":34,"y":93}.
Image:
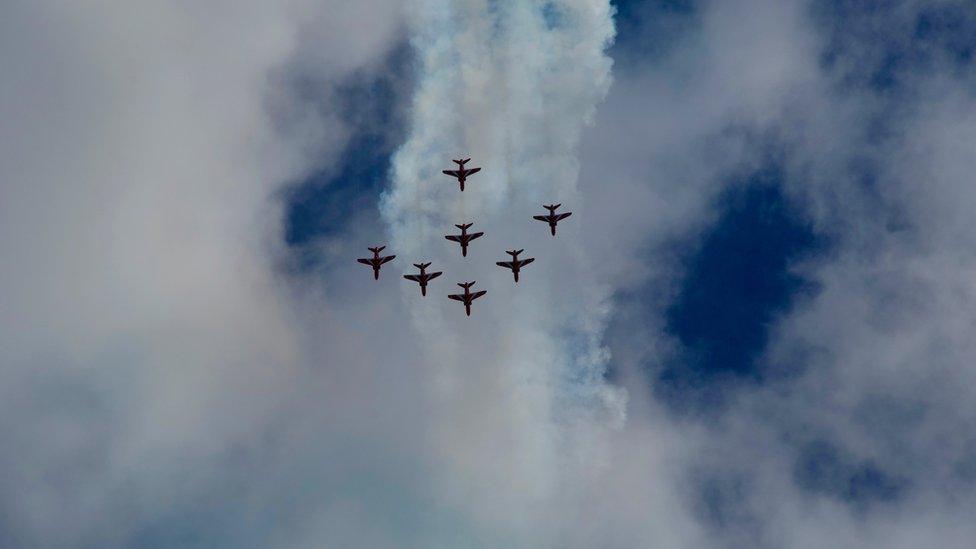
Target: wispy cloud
{"x":523,"y":406}
{"x":163,"y":381}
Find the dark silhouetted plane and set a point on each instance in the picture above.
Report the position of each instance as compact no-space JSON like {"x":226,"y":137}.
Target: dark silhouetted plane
{"x":461,"y":173}
{"x":376,"y":261}
{"x":553,"y":217}
{"x":467,"y":297}
{"x":423,"y":278}
{"x":464,"y":238}
{"x":515,"y":264}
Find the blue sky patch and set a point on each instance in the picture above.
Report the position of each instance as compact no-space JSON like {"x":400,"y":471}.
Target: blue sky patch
{"x":880,"y":45}
{"x":823,"y":468}
{"x":650,"y":28}
{"x":737,"y":281}
{"x":323,"y":204}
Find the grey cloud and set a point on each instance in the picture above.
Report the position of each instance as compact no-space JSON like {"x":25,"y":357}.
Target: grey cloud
{"x":881,"y":350}
{"x":164,"y":382}
{"x":148,"y":346}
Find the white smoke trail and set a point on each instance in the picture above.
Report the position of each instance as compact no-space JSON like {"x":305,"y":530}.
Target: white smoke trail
{"x":510,"y":84}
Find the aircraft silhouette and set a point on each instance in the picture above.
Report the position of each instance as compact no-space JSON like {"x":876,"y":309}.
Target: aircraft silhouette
{"x":467,"y":297}
{"x":553,"y":217}
{"x":461,"y":173}
{"x":515,"y":264}
{"x":423,"y":278}
{"x":464,"y":238}
{"x":376,"y":261}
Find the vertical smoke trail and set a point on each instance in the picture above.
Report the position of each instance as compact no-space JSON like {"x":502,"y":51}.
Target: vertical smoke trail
{"x":510,"y":82}
{"x":511,"y":85}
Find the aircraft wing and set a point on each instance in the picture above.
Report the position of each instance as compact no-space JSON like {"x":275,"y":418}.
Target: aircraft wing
{"x":528,"y":260}
{"x":541,"y":217}
{"x":475,"y":235}
{"x":452,"y":173}
{"x":456,"y":297}
{"x":387,"y":259}
{"x":476,"y":295}
{"x":506,"y":264}
{"x":365,"y":261}
{"x":455,"y":238}
{"x":563,"y":216}
{"x":415,"y":278}
{"x":472,"y":170}
{"x":431,"y":276}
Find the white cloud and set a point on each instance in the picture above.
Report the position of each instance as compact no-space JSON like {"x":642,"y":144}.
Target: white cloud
{"x":146,"y":339}
{"x":883,"y":346}
{"x":163,"y":381}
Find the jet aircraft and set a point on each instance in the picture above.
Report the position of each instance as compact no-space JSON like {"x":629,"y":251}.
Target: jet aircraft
{"x":464,"y":238}
{"x":515,"y":264}
{"x":553,"y":217}
{"x":467,"y":297}
{"x":376,"y":261}
{"x":423,"y":278}
{"x":461,"y":173}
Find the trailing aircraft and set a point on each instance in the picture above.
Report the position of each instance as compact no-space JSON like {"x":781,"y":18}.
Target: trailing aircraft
{"x":515,"y":264}
{"x":461,"y":173}
{"x":464,"y":238}
{"x":423,"y":278}
{"x":553,"y":217}
{"x":467,"y":297}
{"x":376,"y":261}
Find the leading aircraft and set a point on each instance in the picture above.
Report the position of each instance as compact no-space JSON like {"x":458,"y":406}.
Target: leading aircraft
{"x":461,"y":173}
{"x":553,"y":217}
{"x":515,"y":264}
{"x":423,"y":278}
{"x":467,"y":297}
{"x":376,"y":261}
{"x":464,"y":238}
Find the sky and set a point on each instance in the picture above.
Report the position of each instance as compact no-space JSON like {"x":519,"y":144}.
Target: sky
{"x":754,"y":331}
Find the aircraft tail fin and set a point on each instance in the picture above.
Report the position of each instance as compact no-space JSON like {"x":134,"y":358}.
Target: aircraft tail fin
{"x":377,"y":250}
{"x":421,"y":265}
{"x":464,"y":226}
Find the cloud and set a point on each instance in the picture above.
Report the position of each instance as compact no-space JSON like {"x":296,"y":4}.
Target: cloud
{"x":848,"y":441}
{"x":168,"y":380}
{"x":523,"y":409}
{"x":148,"y":343}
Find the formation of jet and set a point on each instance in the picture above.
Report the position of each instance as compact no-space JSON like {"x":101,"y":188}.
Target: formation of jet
{"x":464,"y":238}
{"x":461,"y":173}
{"x":376,"y":261}
{"x":423,"y":278}
{"x":515,"y":264}
{"x":467,"y":297}
{"x":553,"y":217}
